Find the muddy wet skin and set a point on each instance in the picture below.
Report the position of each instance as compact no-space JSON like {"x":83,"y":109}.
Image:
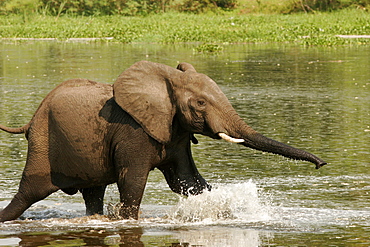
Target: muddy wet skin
{"x":313,"y":98}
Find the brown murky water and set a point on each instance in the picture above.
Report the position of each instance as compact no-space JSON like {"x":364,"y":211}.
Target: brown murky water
{"x":317,"y":99}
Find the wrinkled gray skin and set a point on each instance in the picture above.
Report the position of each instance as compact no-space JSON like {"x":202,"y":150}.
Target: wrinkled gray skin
{"x":86,"y":135}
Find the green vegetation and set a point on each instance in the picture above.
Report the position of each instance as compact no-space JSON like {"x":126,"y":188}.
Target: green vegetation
{"x":208,"y":48}
{"x":112,"y":7}
{"x":292,"y":6}
{"x":212,"y":22}
{"x":145,"y":7}
{"x":231,"y":27}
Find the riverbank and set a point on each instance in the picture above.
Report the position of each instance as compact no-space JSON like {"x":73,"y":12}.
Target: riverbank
{"x":307,"y":29}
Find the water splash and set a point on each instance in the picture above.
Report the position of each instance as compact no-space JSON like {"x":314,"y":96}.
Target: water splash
{"x":225,"y":203}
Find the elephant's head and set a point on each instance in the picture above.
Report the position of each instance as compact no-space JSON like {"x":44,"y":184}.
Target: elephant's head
{"x":154,"y":94}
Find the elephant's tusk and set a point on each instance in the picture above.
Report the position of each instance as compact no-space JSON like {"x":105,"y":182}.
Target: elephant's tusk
{"x":229,"y":138}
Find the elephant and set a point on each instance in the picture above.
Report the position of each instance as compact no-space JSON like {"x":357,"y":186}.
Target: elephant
{"x":86,"y":135}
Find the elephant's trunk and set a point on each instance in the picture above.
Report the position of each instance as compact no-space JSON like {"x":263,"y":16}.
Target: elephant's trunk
{"x":250,"y":138}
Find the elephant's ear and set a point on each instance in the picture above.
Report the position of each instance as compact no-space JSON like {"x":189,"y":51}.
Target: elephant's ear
{"x":143,"y":91}
{"x":186,"y":67}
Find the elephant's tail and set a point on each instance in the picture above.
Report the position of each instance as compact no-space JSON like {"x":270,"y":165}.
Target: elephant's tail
{"x":19,"y":130}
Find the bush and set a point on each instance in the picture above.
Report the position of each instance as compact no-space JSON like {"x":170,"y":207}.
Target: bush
{"x":327,"y":5}
{"x":111,"y":7}
{"x":19,"y":6}
{"x":291,"y":6}
{"x":80,"y":7}
{"x":145,"y":7}
{"x":206,"y":5}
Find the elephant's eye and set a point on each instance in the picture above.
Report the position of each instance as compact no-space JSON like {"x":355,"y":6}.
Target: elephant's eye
{"x":201,"y":103}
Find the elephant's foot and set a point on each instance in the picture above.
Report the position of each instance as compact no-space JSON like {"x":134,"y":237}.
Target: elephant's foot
{"x":129,"y":212}
{"x":119,"y":211}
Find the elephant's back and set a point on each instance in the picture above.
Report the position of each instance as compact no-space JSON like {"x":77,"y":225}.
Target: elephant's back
{"x":82,"y":88}
{"x":74,"y":106}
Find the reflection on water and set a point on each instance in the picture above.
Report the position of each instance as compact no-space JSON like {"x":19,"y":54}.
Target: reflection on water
{"x":136,"y":237}
{"x":314,"y":98}
{"x":231,"y":215}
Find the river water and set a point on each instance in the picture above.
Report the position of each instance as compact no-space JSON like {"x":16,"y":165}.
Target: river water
{"x":314,"y":98}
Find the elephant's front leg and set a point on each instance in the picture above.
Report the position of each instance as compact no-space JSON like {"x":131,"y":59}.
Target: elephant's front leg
{"x":131,"y":185}
{"x":94,"y":199}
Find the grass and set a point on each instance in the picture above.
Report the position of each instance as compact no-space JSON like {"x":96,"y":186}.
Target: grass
{"x":307,"y":29}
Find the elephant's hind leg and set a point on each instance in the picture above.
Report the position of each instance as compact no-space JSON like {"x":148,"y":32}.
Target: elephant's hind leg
{"x":94,"y":199}
{"x":35,"y":184}
{"x":32,"y":189}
